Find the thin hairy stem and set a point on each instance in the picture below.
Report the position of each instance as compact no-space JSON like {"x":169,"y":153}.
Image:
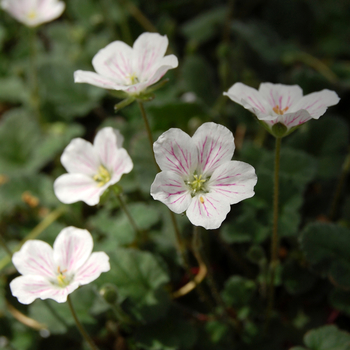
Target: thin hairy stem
{"x":127,"y":213}
{"x":275,"y":239}
{"x":80,"y":326}
{"x":148,"y":129}
{"x":33,"y":77}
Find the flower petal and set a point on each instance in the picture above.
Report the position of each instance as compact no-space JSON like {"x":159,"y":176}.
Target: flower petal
{"x":168,"y":62}
{"x":249,"y":98}
{"x":121,"y":164}
{"x":208,"y":210}
{"x":149,"y":49}
{"x":233,"y":182}
{"x":97,"y":263}
{"x":169,"y":188}
{"x":79,"y":157}
{"x":215,"y":145}
{"x":31,"y":287}
{"x":282,"y":96}
{"x":317,"y":102}
{"x":72,"y":248}
{"x":71,"y":188}
{"x":81,"y":76}
{"x":114,"y":62}
{"x":175,"y":151}
{"x":289,"y":119}
{"x":35,"y":258}
{"x":106,"y":145}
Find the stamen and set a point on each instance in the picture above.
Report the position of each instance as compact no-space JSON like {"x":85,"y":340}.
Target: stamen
{"x":201,"y":199}
{"x":102,"y":177}
{"x":133,"y":79}
{"x":32,"y":14}
{"x":280,"y":111}
{"x":197,"y":185}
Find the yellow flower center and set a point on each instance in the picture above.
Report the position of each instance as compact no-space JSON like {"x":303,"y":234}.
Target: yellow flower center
{"x":197,"y":185}
{"x":102,"y":177}
{"x":280,"y":111}
{"x":32,"y":14}
{"x":61,"y":278}
{"x":132,"y":79}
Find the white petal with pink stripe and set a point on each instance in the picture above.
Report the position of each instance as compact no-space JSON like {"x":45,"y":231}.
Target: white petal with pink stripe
{"x":285,"y":104}
{"x":92,"y":168}
{"x":55,"y":273}
{"x":198,"y":176}
{"x":131,"y":69}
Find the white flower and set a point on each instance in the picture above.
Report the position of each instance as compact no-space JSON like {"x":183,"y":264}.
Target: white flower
{"x":92,"y":168}
{"x":54,"y":273}
{"x":120,"y":67}
{"x":33,"y":12}
{"x":198,"y":175}
{"x":285,"y":104}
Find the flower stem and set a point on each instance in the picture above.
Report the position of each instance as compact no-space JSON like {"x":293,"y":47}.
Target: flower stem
{"x":35,"y":98}
{"x":198,"y":245}
{"x":195,"y":280}
{"x":80,"y":326}
{"x":339,"y":188}
{"x":275,"y":239}
{"x":148,"y":129}
{"x":127,"y":213}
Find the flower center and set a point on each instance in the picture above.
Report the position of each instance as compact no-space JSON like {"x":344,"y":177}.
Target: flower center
{"x":132,"y":79}
{"x":102,"y":177}
{"x":280,"y":111}
{"x":61,"y":278}
{"x":31,"y":14}
{"x":197,"y":184}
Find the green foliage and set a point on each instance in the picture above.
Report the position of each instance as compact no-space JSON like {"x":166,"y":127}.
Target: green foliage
{"x":326,"y":338}
{"x":326,"y":247}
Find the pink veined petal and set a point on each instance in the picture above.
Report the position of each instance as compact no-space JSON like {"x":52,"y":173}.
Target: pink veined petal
{"x":175,"y":151}
{"x":170,"y":189}
{"x":249,"y":98}
{"x":107,"y":132}
{"x":317,"y":102}
{"x":71,"y":188}
{"x":72,"y":248}
{"x":215,"y":145}
{"x":121,"y":164}
{"x":35,"y":258}
{"x":282,"y":96}
{"x":148,"y":50}
{"x":79,"y":157}
{"x":97,"y":263}
{"x":51,"y":10}
{"x":114,"y":62}
{"x":81,"y":76}
{"x":105,"y":146}
{"x":233,"y":182}
{"x":31,"y":287}
{"x":168,"y":62}
{"x":208,"y":210}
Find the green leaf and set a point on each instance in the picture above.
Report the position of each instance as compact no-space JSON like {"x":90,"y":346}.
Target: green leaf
{"x":327,"y":338}
{"x":13,"y":90}
{"x":118,"y":229}
{"x":205,"y":26}
{"x":326,"y":247}
{"x":327,"y":139}
{"x":197,"y":76}
{"x":172,"y":333}
{"x":58,"y":317}
{"x":238,"y":291}
{"x":297,"y":280}
{"x":340,"y":299}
